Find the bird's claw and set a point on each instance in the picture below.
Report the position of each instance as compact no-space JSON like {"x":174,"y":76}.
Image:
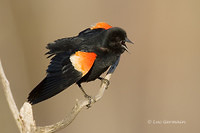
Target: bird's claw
{"x":105,"y":81}
{"x":90,"y":100}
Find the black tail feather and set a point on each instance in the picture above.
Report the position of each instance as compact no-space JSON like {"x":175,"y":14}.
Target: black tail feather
{"x":46,"y":89}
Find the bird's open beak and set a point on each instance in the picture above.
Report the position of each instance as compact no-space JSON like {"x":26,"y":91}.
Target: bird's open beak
{"x":129,"y":41}
{"x":124,"y":45}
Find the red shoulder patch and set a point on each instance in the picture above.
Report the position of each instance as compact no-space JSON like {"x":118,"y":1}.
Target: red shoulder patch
{"x":83,"y":61}
{"x":101,"y":25}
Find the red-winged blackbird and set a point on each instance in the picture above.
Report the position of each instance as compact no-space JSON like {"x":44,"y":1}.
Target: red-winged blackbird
{"x":78,"y":59}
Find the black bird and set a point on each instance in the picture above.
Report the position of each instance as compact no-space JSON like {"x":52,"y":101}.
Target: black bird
{"x":79,"y":59}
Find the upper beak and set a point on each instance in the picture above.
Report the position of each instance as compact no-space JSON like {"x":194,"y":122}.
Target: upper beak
{"x":129,"y":41}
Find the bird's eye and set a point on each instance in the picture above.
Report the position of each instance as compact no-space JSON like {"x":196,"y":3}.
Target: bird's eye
{"x":122,"y":41}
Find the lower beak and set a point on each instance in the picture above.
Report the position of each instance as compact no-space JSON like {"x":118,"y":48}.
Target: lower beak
{"x":125,"y":47}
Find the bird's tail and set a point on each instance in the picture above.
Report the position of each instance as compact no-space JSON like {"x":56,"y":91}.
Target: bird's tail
{"x":46,"y":89}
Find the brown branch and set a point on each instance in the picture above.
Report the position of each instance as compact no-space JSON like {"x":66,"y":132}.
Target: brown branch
{"x":25,"y":120}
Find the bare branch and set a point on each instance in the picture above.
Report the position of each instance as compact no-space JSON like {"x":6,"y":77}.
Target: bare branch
{"x":26,"y":115}
{"x":10,"y":99}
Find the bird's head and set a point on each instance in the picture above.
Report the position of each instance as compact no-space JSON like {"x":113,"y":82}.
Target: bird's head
{"x":115,"y":38}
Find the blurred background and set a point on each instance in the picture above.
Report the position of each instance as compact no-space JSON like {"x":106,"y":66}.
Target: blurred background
{"x":159,"y":80}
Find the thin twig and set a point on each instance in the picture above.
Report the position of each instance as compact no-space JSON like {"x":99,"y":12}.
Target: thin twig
{"x":10,"y":99}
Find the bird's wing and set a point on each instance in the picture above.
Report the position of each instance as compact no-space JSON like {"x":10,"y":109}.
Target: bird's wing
{"x":63,"y":71}
{"x":72,"y":44}
{"x":68,"y":45}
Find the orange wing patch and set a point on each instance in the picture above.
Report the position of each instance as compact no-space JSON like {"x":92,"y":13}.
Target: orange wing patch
{"x":101,"y":25}
{"x":83,"y":61}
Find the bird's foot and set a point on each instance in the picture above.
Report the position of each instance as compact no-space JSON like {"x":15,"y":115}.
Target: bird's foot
{"x":90,"y":100}
{"x":104,"y":81}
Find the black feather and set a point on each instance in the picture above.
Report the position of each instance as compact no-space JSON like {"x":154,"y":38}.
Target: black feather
{"x":60,"y":75}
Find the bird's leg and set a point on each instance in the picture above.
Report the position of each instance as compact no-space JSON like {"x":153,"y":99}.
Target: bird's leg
{"x":86,"y":95}
{"x":103,"y":80}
